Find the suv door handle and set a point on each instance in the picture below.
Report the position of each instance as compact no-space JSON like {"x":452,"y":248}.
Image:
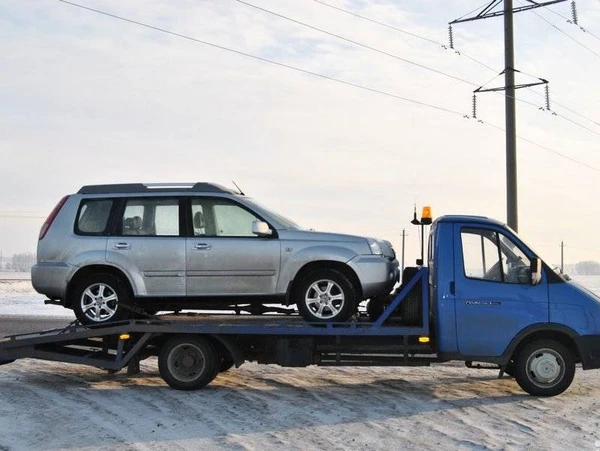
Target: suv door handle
{"x":122,"y":246}
{"x":203,"y":247}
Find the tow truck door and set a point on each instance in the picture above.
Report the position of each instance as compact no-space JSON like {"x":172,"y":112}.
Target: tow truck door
{"x":494,"y":295}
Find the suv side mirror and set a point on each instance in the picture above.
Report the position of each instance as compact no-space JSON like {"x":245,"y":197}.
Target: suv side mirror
{"x":536,"y":271}
{"x":261,"y":228}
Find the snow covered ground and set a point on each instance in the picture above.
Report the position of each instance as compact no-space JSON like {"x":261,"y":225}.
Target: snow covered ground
{"x":47,"y":405}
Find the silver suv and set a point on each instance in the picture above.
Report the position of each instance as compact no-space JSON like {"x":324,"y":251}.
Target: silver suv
{"x":111,"y":249}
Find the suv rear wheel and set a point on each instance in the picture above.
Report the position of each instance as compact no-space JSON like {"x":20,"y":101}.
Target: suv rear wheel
{"x":326,"y":295}
{"x":101,"y":298}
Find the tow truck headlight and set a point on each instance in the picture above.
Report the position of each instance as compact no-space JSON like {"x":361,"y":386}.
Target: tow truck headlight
{"x":375,"y":247}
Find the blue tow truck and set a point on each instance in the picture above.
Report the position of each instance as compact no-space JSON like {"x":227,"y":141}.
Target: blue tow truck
{"x":484,"y":297}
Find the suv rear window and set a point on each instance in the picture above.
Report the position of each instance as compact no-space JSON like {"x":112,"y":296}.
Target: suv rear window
{"x":93,"y":216}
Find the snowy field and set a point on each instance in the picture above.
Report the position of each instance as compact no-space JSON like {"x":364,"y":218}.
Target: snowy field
{"x":53,"y":406}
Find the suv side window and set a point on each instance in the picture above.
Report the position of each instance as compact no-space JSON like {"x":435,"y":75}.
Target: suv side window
{"x":219,"y":217}
{"x":489,"y":255}
{"x":93,"y":216}
{"x":151,"y":217}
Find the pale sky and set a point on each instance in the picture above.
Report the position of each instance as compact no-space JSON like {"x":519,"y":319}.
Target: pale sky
{"x":88,"y":99}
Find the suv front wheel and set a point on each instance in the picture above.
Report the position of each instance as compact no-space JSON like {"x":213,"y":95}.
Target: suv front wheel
{"x":99,"y":299}
{"x":326,"y":295}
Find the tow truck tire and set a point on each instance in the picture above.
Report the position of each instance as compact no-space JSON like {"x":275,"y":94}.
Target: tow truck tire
{"x":188,"y":362}
{"x":410,"y":309}
{"x":375,"y":308}
{"x":510,"y":369}
{"x":225,"y":363}
{"x":544,"y":368}
{"x":326,"y":295}
{"x":101,"y":298}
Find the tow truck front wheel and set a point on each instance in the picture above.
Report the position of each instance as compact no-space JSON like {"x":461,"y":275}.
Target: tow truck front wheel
{"x":544,"y":368}
{"x":326,"y":296}
{"x":188,"y":363}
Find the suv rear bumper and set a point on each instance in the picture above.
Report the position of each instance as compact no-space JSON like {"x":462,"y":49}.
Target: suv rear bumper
{"x":51,"y":279}
{"x":377,"y":274}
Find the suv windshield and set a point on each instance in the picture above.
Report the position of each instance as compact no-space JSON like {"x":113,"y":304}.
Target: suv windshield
{"x":287,"y":223}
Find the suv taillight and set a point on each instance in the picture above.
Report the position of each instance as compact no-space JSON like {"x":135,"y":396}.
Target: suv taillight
{"x":51,"y":216}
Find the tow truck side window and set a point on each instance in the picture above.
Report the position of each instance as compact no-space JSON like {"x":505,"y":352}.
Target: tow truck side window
{"x":489,"y":255}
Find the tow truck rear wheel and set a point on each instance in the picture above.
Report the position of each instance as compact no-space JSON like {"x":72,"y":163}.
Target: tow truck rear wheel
{"x":188,"y":362}
{"x":544,"y":368}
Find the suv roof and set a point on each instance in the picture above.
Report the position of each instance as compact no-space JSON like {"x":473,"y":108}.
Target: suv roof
{"x":201,"y":187}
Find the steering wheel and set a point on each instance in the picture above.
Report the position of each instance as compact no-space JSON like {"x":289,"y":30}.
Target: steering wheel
{"x":519,"y":274}
{"x":494,"y":273}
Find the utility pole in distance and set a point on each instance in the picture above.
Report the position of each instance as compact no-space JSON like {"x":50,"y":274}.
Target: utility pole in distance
{"x":509,"y":89}
{"x":562,"y":257}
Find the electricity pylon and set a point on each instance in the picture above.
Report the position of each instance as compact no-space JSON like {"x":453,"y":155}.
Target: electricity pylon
{"x":488,"y":11}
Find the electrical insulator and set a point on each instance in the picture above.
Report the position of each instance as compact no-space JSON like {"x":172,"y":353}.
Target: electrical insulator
{"x":547,"y":97}
{"x":450,"y":36}
{"x":574,"y":12}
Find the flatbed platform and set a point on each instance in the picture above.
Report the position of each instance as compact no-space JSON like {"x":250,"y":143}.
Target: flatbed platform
{"x":224,"y":340}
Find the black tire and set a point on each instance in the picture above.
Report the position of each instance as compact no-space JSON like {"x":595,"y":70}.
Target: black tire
{"x":411,"y":306}
{"x":188,"y":362}
{"x":410,"y":309}
{"x":544,"y":368}
{"x":226,"y":363}
{"x":326,"y":291}
{"x":97,"y":295}
{"x":510,"y":369}
{"x":375,"y":308}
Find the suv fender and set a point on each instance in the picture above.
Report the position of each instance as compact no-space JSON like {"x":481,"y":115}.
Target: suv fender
{"x":98,"y":268}
{"x":310,"y":255}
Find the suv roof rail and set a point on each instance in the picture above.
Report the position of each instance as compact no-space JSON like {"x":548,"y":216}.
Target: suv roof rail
{"x":120,"y":188}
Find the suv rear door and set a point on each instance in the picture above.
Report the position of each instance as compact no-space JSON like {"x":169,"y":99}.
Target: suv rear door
{"x":149,"y":245}
{"x":223,"y":256}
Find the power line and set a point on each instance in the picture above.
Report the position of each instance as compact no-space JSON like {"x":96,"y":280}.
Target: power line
{"x":360,"y":44}
{"x":326,"y":77}
{"x":368,"y":47}
{"x":392,"y":27}
{"x":266,"y":60}
{"x":585,"y":30}
{"x":400,"y":30}
{"x":567,"y":34}
{"x":541,"y":146}
{"x":414,"y":35}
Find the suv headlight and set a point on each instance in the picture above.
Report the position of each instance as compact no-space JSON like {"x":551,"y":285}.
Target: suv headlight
{"x":375,"y":247}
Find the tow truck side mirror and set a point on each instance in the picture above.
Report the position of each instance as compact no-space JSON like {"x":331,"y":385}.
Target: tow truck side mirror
{"x":536,"y":271}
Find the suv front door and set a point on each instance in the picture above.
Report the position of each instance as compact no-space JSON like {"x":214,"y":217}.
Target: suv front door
{"x":224,"y":257}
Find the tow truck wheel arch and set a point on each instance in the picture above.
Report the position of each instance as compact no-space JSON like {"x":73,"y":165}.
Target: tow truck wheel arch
{"x":561,"y":334}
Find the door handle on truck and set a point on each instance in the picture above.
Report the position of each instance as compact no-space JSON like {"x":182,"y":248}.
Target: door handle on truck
{"x":203,"y":247}
{"x":122,"y":246}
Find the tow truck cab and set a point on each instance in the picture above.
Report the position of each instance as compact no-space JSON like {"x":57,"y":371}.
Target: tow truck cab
{"x":491,"y":295}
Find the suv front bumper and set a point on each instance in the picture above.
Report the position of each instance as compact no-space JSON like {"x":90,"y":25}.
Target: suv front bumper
{"x":377,"y":274}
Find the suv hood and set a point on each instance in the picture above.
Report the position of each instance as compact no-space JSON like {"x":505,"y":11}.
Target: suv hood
{"x":363,"y":242}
